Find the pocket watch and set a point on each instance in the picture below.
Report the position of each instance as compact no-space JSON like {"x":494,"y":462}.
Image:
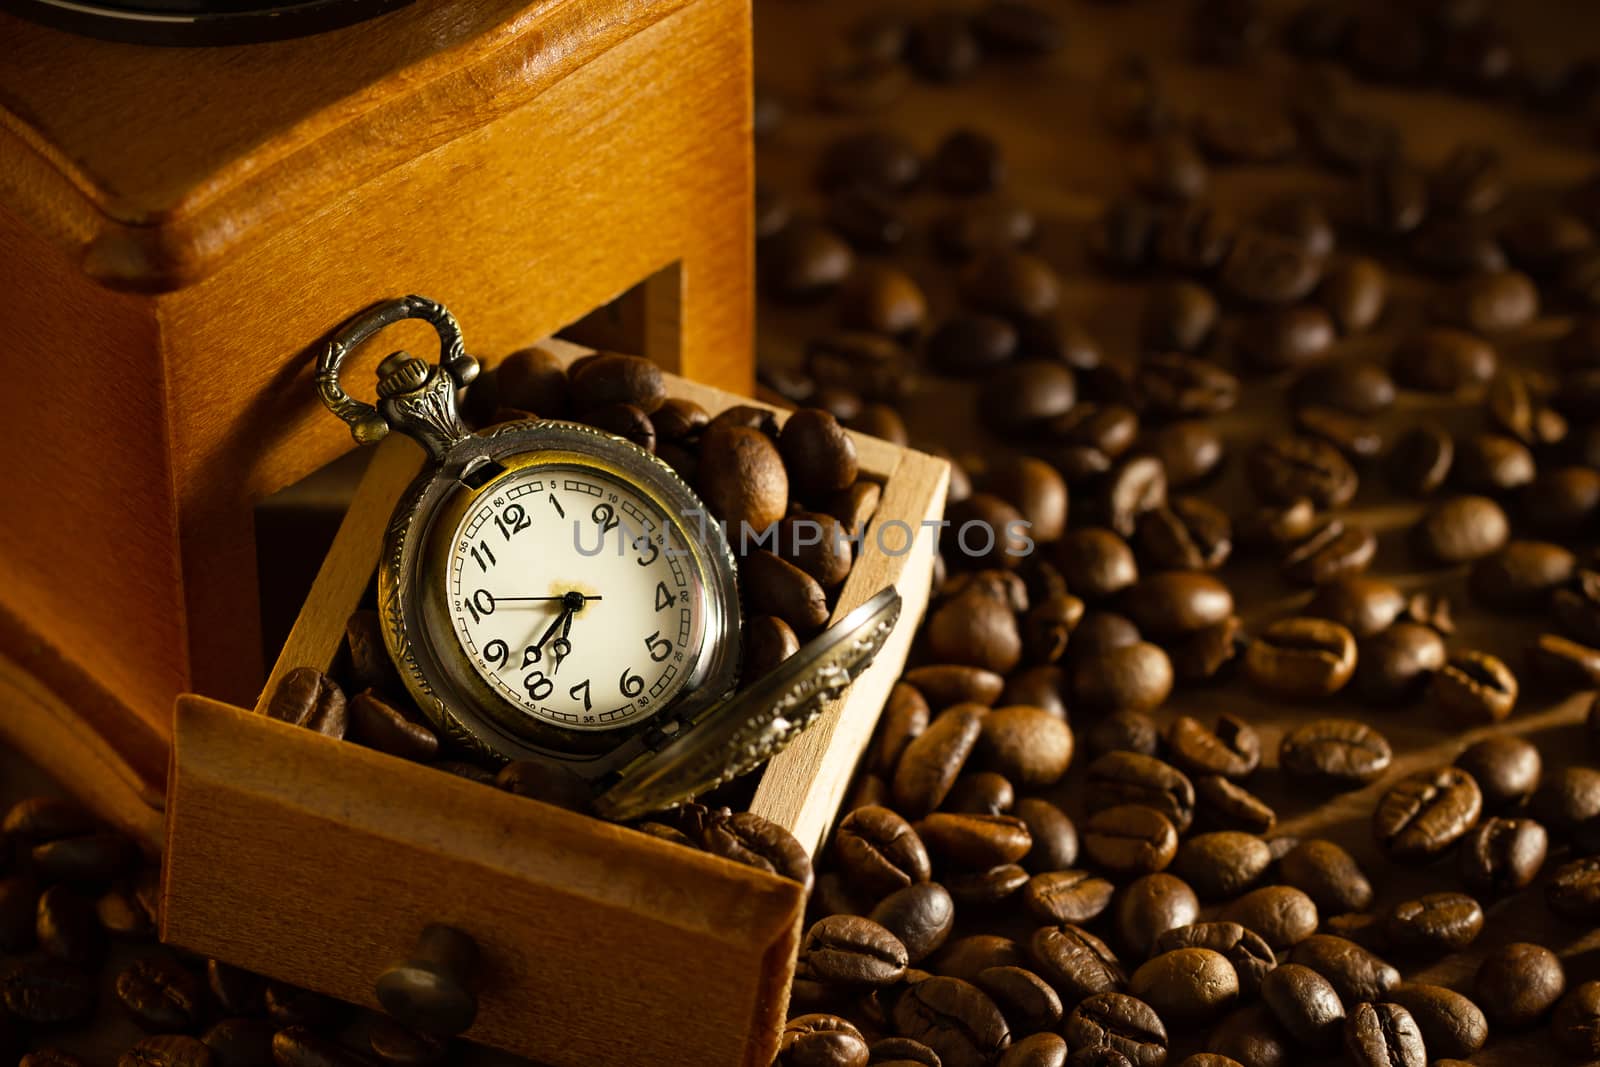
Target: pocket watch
{"x":555,"y":593}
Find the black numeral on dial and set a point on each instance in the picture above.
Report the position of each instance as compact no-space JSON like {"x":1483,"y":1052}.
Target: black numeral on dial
{"x":512,"y":520}
{"x":538,"y":686}
{"x":658,"y":647}
{"x":581,"y":687}
{"x":631,"y":685}
{"x":664,"y":596}
{"x":480,"y":604}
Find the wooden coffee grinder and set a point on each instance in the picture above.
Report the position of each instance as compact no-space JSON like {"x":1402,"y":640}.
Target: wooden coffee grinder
{"x":179,"y":225}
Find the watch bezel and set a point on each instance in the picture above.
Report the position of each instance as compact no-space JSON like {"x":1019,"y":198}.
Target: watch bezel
{"x":413,"y":600}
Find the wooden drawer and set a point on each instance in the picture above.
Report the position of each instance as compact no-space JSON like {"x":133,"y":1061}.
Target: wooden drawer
{"x":319,"y":862}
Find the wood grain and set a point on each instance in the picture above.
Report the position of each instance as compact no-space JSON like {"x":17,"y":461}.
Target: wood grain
{"x":318,"y":862}
{"x":497,"y":155}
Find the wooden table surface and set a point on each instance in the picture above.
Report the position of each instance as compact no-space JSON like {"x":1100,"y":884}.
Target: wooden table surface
{"x":1065,"y":166}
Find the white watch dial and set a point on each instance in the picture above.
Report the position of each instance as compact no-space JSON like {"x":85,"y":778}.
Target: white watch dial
{"x":568,"y":600}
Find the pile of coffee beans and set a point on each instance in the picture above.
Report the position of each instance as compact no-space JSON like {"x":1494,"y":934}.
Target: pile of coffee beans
{"x":1277,"y":742}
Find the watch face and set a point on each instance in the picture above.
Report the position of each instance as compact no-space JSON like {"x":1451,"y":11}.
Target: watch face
{"x":575,"y":597}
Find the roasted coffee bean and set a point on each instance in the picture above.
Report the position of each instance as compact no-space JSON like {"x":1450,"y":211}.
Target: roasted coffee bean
{"x":1124,"y":235}
{"x":1179,"y":316}
{"x":96,"y":857}
{"x":1473,"y":687}
{"x":1131,"y":488}
{"x":1356,"y":436}
{"x":1577,"y":609}
{"x":398,"y":1046}
{"x":1137,"y":677}
{"x":161,"y":995}
{"x":1129,"y":839}
{"x":1036,"y":1050}
{"x":610,"y":378}
{"x":1425,"y":813}
{"x":1575,"y":1026}
{"x":1249,"y":954}
{"x":1127,"y":1024}
{"x":1434,"y":923}
{"x":1396,"y":664}
{"x":1301,"y":658}
{"x":67,"y":926}
{"x":1152,"y":905}
{"x":1228,"y":805}
{"x":1177,"y":602}
{"x":986,"y":886}
{"x":1173,"y":385}
{"x":1222,"y":864}
{"x":1452,"y":248}
{"x":1562,"y":665}
{"x":1360,"y":388}
{"x":123,"y":914}
{"x":289,"y":1005}
{"x":1128,"y":778}
{"x":377,"y":723}
{"x":1303,"y":220}
{"x":945,"y":685}
{"x":550,"y":784}
{"x":1364,"y":606}
{"x":1328,"y":874}
{"x":768,"y":641}
{"x":981,"y":793}
{"x":1015,"y":285}
{"x":247,"y":1043}
{"x":1461,"y":530}
{"x":1187,"y":986}
{"x":1334,"y":549}
{"x":38,"y":819}
{"x":1522,"y":574}
{"x":975,"y":841}
{"x":299,"y":1046}
{"x":1281,"y":914}
{"x":1383,"y":1035}
{"x":1187,"y":534}
{"x":1285,"y":338}
{"x":1190,"y":450}
{"x":46,"y":991}
{"x":1492,"y":463}
{"x":1231,"y":749}
{"x":758,"y":842}
{"x":1335,"y":753}
{"x":1025,"y":999}
{"x":817,"y":453}
{"x":1075,"y":962}
{"x":1305,"y":1004}
{"x":955,"y":1019}
{"x":975,"y":628}
{"x":1573,"y":892}
{"x":879,"y":851}
{"x":1506,"y":768}
{"x":1285,"y":469}
{"x":943,"y":47}
{"x":1022,"y":398}
{"x":873,"y":159}
{"x":1450,"y":1024}
{"x":971,"y":344}
{"x":804,"y":261}
{"x":919,"y":916}
{"x":742,"y":478}
{"x":1444,"y":359}
{"x":848,"y":950}
{"x":176,"y":1051}
{"x":1067,"y":896}
{"x":1124,"y":731}
{"x":1518,"y":983}
{"x":307,"y":697}
{"x":1471,"y":181}
{"x":1269,"y":268}
{"x":1355,"y":972}
{"x":1501,"y":856}
{"x":1251,"y":1035}
{"x":1421,"y":460}
{"x":1568,"y":800}
{"x":1096,"y":562}
{"x":1028,"y":745}
{"x":932,"y":761}
{"x":1354,"y":293}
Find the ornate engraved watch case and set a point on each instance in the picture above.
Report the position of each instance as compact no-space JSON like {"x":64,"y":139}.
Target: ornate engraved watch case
{"x":485,"y":599}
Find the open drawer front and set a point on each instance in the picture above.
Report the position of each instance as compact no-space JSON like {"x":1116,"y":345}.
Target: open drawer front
{"x":320,"y":862}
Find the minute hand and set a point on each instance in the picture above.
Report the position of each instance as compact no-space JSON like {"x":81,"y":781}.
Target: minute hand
{"x":512,"y":599}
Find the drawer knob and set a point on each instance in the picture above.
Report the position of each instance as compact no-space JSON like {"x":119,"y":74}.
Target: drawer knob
{"x":431,"y":991}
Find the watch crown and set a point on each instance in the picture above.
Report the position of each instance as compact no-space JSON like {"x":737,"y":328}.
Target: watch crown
{"x":401,"y":372}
